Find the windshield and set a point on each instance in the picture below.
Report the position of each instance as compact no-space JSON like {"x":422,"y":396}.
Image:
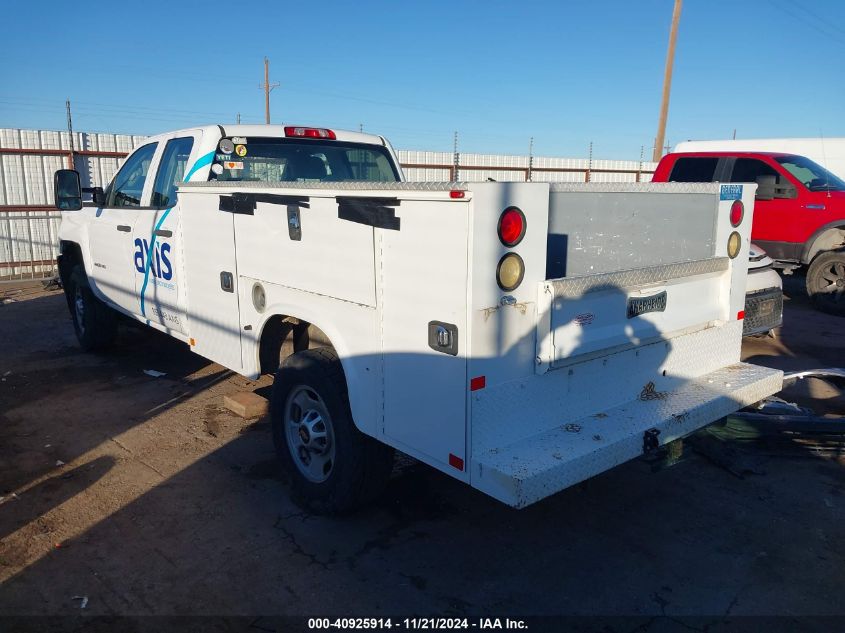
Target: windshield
{"x":296,"y":160}
{"x":812,"y":175}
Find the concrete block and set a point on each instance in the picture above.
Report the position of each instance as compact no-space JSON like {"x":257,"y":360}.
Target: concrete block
{"x":246,"y":404}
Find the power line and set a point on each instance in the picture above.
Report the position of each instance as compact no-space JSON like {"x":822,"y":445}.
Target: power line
{"x":801,"y":17}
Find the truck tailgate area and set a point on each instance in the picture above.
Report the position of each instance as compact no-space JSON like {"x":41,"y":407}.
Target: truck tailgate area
{"x":535,"y":467}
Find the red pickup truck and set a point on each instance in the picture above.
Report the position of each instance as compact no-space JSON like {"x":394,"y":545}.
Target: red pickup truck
{"x":799,"y":211}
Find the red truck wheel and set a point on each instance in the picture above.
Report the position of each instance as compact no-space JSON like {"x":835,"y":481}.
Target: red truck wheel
{"x":826,"y":282}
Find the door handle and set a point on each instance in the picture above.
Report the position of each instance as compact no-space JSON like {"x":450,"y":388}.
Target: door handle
{"x":164,"y":233}
{"x":124,"y":228}
{"x":227,"y":281}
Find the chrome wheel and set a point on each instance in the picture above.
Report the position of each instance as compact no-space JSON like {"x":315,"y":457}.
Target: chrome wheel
{"x":310,"y":437}
{"x":834,"y":277}
{"x":79,"y":309}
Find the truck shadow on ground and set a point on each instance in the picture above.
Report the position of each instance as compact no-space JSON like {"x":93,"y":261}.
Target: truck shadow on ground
{"x":215,"y":532}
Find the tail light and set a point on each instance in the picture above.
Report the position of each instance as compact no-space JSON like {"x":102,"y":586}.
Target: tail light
{"x":737,"y":212}
{"x":510,"y":271}
{"x":310,"y":132}
{"x":734,"y":243}
{"x":511,"y":226}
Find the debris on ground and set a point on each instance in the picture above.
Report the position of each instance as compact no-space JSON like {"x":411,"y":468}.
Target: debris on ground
{"x":155,"y":373}
{"x":83,"y":601}
{"x":55,"y":283}
{"x":212,"y":427}
{"x":246,"y":404}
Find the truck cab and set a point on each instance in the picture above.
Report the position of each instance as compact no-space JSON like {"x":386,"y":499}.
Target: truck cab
{"x":799,"y":211}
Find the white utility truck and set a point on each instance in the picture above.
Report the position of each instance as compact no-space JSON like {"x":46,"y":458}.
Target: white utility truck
{"x":520,"y":337}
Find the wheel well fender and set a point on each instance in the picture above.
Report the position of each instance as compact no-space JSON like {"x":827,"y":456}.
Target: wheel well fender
{"x":827,"y":238}
{"x":361,"y":372}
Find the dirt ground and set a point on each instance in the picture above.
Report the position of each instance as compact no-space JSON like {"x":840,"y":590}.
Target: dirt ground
{"x":143,"y":496}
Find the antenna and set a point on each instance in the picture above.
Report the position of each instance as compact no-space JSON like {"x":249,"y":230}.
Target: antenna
{"x":826,"y":170}
{"x":70,"y":132}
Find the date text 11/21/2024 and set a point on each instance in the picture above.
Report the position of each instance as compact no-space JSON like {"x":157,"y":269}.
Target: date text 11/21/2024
{"x":418,"y":623}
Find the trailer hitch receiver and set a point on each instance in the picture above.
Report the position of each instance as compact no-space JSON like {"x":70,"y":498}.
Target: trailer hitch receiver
{"x":650,"y":442}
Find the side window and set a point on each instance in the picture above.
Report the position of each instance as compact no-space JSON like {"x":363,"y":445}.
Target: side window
{"x":748,"y":169}
{"x":171,"y":170}
{"x":694,"y":169}
{"x":128,"y":185}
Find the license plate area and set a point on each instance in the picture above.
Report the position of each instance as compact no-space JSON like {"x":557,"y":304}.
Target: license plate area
{"x":643,"y":305}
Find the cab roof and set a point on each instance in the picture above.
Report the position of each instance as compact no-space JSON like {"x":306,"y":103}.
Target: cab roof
{"x":721,"y":153}
{"x":277,"y":131}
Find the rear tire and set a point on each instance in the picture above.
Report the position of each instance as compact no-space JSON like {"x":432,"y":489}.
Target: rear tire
{"x":333,"y":468}
{"x":826,"y":282}
{"x":94,"y":322}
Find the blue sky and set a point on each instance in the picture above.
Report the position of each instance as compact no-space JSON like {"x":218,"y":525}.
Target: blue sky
{"x":566,"y":73}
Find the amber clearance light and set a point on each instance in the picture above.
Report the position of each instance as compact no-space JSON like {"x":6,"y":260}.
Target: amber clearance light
{"x":734,"y":244}
{"x":510,"y":271}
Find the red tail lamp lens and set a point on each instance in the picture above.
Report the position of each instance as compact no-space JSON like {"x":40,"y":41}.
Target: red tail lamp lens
{"x":511,"y":226}
{"x":737,"y":212}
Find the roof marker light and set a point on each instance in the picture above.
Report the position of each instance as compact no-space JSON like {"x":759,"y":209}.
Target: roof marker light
{"x":310,"y":132}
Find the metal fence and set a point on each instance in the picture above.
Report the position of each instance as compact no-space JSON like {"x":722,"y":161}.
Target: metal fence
{"x":29,"y":224}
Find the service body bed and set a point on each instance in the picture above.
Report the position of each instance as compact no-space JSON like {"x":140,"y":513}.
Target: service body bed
{"x":627,"y":321}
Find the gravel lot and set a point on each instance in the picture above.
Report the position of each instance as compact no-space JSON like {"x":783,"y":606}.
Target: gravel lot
{"x":145,"y":496}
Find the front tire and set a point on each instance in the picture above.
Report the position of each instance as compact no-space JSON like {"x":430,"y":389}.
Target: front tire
{"x":333,"y":468}
{"x":94,"y":322}
{"x":826,"y":282}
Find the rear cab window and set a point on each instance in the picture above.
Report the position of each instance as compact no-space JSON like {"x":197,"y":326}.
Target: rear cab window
{"x":171,"y":171}
{"x":749,"y":169}
{"x":295,"y":160}
{"x":694,"y":169}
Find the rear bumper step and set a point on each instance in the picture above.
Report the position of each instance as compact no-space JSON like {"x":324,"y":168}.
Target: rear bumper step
{"x":536,"y":467}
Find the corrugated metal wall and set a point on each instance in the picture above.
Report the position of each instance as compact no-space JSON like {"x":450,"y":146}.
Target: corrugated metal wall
{"x":600,"y":170}
{"x":28,"y":237}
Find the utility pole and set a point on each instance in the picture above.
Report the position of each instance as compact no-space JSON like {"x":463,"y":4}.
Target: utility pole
{"x":667,"y":83}
{"x":268,"y":87}
{"x":238,"y":119}
{"x":70,"y":132}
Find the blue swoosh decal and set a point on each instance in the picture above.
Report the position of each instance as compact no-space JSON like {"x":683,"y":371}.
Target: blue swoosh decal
{"x":201,"y":162}
{"x":150,"y":257}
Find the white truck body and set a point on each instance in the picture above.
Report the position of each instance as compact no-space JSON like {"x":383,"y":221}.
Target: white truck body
{"x":624,"y":331}
{"x":827,"y":152}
